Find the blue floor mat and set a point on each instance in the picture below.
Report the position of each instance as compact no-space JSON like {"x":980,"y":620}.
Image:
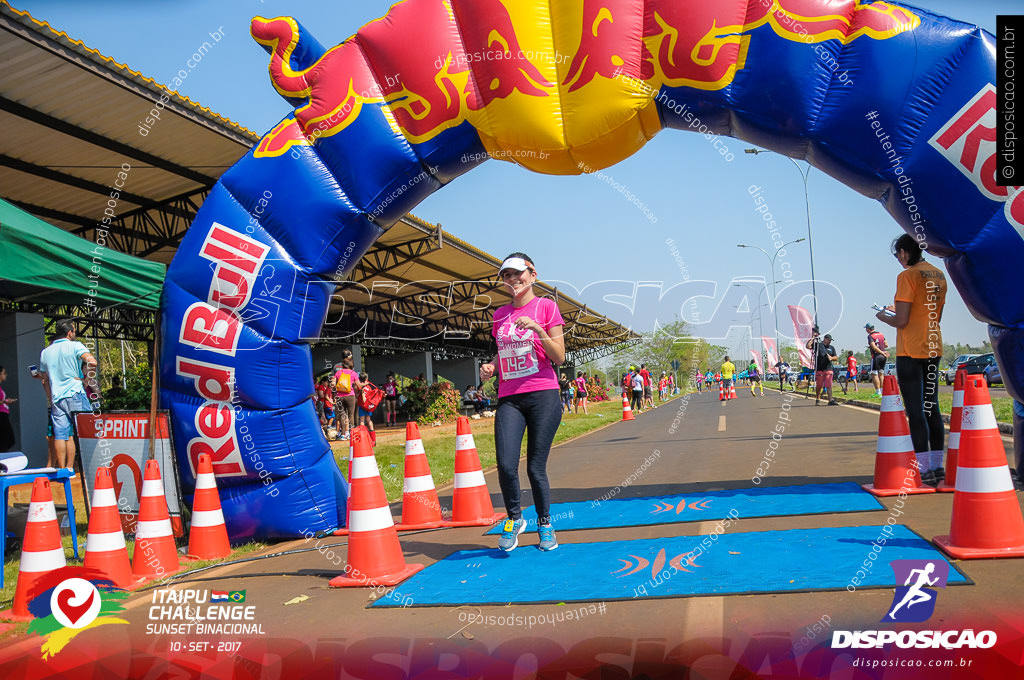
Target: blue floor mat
{"x":682,"y":566}
{"x":806,"y":499}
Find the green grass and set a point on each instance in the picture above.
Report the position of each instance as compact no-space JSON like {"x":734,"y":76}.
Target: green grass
{"x":439,"y":444}
{"x":12,"y":558}
{"x":1003,"y":406}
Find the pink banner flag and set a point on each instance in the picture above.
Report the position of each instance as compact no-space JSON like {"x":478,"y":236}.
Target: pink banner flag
{"x":757,"y":361}
{"x":769,"y":348}
{"x":803,"y":323}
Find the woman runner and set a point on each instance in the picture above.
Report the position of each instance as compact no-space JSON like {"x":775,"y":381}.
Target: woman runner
{"x":529,"y":336}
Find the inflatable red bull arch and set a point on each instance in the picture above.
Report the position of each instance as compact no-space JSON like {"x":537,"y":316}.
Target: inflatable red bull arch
{"x":895,"y":102}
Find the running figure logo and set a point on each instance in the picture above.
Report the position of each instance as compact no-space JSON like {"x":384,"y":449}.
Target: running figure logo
{"x":913,"y":601}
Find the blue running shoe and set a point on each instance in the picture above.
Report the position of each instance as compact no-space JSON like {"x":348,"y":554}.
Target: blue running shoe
{"x":510,"y":531}
{"x":547,"y":538}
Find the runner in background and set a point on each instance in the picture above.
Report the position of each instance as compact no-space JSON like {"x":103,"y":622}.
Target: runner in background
{"x":581,"y":392}
{"x":365,"y":413}
{"x":877,"y":347}
{"x":754,"y":376}
{"x":345,"y":380}
{"x":648,"y":386}
{"x":851,"y":371}
{"x":637,"y":390}
{"x":728,"y":370}
{"x":783,"y":367}
{"x":390,"y":388}
{"x":566,"y":391}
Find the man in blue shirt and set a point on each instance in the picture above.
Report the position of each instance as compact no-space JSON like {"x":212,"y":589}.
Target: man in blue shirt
{"x":61,"y":365}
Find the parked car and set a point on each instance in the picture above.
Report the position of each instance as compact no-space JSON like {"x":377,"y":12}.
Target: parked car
{"x":956,"y":364}
{"x":890,"y":368}
{"x":978,"y":364}
{"x":993,"y":376}
{"x":864,"y":373}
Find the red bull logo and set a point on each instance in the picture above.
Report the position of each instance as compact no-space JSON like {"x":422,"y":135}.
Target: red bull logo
{"x":609,"y":27}
{"x":968,"y":142}
{"x":703,"y":45}
{"x":494,"y":62}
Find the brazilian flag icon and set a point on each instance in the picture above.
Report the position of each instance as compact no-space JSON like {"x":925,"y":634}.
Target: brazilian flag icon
{"x":237,"y":596}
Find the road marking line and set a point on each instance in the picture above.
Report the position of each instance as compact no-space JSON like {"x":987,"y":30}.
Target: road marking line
{"x":703,"y":616}
{"x":721,"y":423}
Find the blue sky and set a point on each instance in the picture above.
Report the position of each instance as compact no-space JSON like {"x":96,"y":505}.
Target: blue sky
{"x":579,"y":230}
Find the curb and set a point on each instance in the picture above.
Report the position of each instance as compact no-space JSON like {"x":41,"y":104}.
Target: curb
{"x":1004,"y":428}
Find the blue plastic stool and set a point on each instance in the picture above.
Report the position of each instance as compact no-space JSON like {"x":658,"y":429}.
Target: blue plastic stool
{"x":27,"y":477}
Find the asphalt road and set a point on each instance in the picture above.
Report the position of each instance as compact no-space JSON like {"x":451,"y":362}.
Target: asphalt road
{"x":704,"y":446}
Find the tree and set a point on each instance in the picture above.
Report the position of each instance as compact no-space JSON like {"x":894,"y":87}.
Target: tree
{"x":662,"y":350}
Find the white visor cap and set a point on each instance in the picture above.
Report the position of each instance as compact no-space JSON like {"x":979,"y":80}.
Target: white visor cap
{"x":516,"y":263}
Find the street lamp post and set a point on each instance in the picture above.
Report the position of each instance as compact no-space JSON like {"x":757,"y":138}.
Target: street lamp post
{"x":761,"y":322}
{"x":771,"y":259}
{"x":804,"y":175}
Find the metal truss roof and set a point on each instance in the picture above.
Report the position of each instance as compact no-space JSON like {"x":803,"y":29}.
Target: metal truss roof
{"x":71,"y":123}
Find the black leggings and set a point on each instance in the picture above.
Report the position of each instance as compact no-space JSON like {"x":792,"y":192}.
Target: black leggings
{"x":6,"y":437}
{"x":919,"y":387}
{"x":636,"y":401}
{"x":538,"y":414}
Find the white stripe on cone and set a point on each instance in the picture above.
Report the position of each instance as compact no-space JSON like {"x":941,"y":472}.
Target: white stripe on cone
{"x":105,"y":542}
{"x":369,"y":520}
{"x":206,"y":480}
{"x":891,"y":402}
{"x":466,"y":480}
{"x":104,"y":498}
{"x":980,"y":417}
{"x":895,"y":444}
{"x":415,"y":484}
{"x":207,"y":518}
{"x":984,"y":479}
{"x":41,"y":512}
{"x":153,"y":487}
{"x":42,"y":560}
{"x":954,"y":440}
{"x":414,"y":447}
{"x":463,"y":442}
{"x":153,"y":529}
{"x":364,"y":466}
{"x":958,"y":398}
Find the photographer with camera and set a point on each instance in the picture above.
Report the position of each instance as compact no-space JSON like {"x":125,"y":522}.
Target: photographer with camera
{"x":824,"y":353}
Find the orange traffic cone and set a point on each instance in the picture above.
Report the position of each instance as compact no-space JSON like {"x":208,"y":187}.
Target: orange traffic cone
{"x":344,"y":531}
{"x":948,"y":485}
{"x":208,"y":536}
{"x":105,"y":549}
{"x":732,"y":391}
{"x":627,"y":410}
{"x":987,"y":520}
{"x":155,"y":553}
{"x":420,"y":507}
{"x":721,"y":391}
{"x":471,"y":503}
{"x":896,"y":468}
{"x":41,"y":551}
{"x":374,"y":553}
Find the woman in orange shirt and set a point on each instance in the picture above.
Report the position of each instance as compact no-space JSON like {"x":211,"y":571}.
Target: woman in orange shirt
{"x":920,"y":297}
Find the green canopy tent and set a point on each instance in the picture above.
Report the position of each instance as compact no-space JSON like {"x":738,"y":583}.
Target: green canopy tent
{"x":43,"y":264}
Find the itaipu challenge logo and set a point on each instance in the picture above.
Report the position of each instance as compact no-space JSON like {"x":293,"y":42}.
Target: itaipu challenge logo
{"x":68,"y":602}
